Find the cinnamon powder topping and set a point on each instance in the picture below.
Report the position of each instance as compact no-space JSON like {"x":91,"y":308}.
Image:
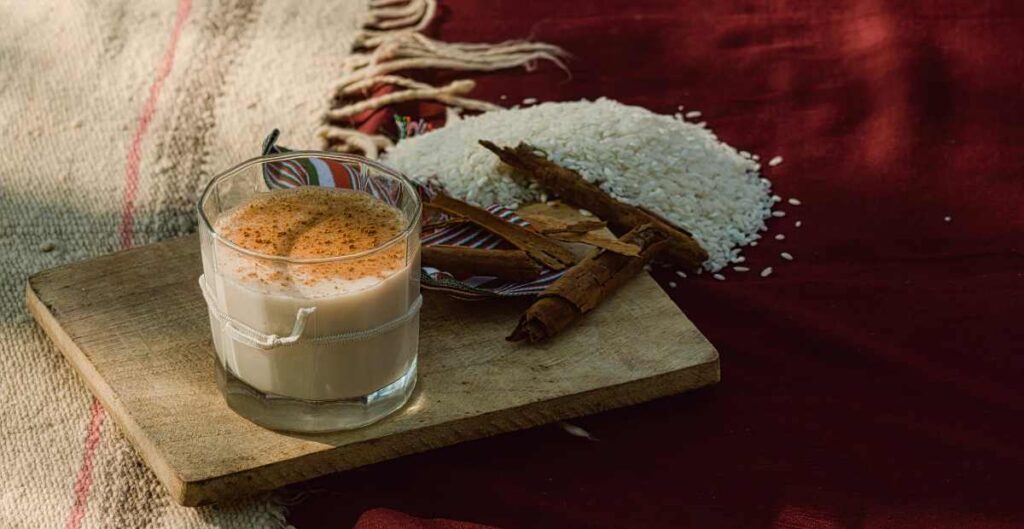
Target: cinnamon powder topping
{"x":318,"y":222}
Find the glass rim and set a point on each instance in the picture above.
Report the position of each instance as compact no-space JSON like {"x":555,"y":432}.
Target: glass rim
{"x":411,"y":223}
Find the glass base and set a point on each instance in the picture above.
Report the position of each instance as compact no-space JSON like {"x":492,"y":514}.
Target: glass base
{"x":310,"y":416}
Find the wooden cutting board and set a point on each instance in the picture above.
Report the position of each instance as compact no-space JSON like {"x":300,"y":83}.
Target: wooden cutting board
{"x":134,"y":325}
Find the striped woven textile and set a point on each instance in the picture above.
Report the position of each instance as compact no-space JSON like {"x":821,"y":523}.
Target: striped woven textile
{"x":332,"y":173}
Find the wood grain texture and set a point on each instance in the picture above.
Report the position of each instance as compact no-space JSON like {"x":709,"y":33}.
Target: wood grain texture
{"x":134,"y":325}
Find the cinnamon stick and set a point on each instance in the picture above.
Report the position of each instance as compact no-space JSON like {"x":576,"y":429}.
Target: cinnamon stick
{"x":547,"y":224}
{"x":590,"y":232}
{"x":585,"y":285}
{"x":573,"y":189}
{"x":460,"y":261}
{"x":540,"y":248}
{"x":598,"y":240}
{"x":444,"y":224}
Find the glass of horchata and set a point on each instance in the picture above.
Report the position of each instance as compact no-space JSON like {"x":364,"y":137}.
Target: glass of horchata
{"x":311,"y":276}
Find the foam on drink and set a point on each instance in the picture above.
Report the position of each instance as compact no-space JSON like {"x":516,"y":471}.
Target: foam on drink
{"x":315,"y":223}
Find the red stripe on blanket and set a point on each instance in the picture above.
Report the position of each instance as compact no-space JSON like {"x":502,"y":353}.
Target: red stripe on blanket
{"x":131,"y":180}
{"x":83,"y":483}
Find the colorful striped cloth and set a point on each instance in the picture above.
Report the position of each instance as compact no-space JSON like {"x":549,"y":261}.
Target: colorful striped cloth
{"x":333,"y":173}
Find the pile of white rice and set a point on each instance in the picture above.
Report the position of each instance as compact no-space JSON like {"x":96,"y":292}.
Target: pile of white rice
{"x":675,"y":168}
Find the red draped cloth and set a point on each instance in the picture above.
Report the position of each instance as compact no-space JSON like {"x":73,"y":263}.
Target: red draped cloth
{"x":875,"y":381}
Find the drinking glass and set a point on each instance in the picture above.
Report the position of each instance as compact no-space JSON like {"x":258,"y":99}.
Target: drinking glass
{"x":307,"y":358}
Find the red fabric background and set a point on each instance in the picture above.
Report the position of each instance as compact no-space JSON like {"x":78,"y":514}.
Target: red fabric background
{"x":873,"y":382}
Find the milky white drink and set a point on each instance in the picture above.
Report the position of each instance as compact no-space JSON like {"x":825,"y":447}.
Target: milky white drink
{"x":375,"y":283}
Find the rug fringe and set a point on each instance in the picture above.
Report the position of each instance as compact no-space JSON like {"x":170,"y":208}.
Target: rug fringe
{"x":392,"y":41}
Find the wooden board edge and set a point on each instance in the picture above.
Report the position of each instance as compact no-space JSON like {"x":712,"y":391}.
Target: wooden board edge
{"x":318,"y":464}
{"x":143,"y":445}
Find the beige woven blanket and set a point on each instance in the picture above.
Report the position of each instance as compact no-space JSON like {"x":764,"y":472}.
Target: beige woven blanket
{"x":113,"y":114}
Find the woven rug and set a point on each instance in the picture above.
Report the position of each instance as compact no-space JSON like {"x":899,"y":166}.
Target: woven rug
{"x":114,"y":114}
